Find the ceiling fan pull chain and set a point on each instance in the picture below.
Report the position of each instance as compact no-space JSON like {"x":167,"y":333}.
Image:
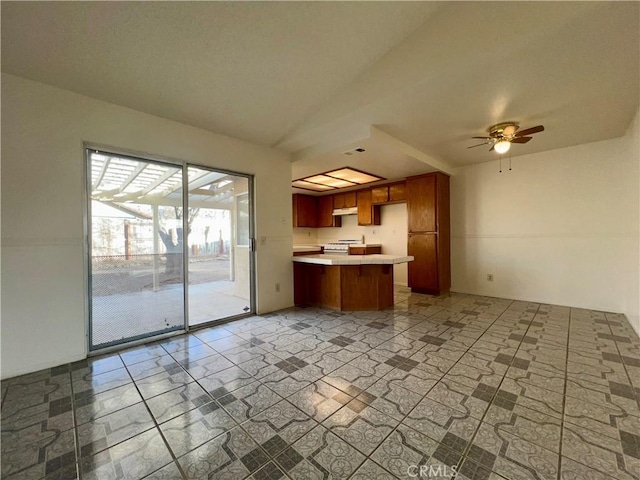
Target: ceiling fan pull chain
{"x":509,"y":162}
{"x":500,"y":163}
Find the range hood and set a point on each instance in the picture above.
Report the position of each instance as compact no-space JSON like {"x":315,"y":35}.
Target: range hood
{"x":345,"y":211}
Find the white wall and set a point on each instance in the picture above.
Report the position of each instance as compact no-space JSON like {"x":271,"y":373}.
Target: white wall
{"x":392,"y":234}
{"x":43,"y":130}
{"x":561,"y":227}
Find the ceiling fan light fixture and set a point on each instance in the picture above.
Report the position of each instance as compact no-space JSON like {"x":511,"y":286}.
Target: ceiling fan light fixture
{"x":502,"y":146}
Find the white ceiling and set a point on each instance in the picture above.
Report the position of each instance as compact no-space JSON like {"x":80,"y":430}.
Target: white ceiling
{"x":312,"y":78}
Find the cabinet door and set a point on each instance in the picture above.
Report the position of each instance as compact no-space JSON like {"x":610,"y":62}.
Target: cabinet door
{"x":325,"y":213}
{"x":349,"y":200}
{"x":304,"y":210}
{"x":397,"y":192}
{"x":367,"y":214}
{"x":421,"y":204}
{"x":423,"y":271}
{"x":380,"y":194}
{"x":338,"y":200}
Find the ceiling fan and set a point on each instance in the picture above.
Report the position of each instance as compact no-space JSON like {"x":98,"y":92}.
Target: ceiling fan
{"x":502,"y":135}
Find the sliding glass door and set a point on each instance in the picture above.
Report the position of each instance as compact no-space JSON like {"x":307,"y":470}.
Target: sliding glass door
{"x":219,"y":247}
{"x":142,"y":228}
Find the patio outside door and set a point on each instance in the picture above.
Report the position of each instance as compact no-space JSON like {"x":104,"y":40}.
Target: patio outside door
{"x":137,"y":220}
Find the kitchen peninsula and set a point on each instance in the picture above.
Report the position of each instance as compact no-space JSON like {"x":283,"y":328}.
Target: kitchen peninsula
{"x":345,"y":282}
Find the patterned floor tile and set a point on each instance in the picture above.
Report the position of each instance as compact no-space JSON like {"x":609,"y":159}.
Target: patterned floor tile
{"x":98,"y":365}
{"x":165,"y":363}
{"x":261,"y":365}
{"x":248,"y":401}
{"x":320,"y":454}
{"x":404,"y":451}
{"x":177,"y":401}
{"x":363,"y":429}
{"x":192,"y":429}
{"x":163,"y":382}
{"x":376,"y":363}
{"x":600,"y":452}
{"x":168,"y":472}
{"x":284,"y":384}
{"x":114,"y":428}
{"x":231,"y":455}
{"x":92,"y":407}
{"x":511,"y":456}
{"x":473,"y":402}
{"x":207,"y":366}
{"x":438,"y":365}
{"x":142,"y":353}
{"x":278,"y":427}
{"x":350,"y":379}
{"x":439,"y":422}
{"x":417,"y":381}
{"x":572,"y":470}
{"x":132,"y":459}
{"x":91,"y":384}
{"x":389,"y":398}
{"x":269,"y":472}
{"x":372,"y":471}
{"x":35,"y":452}
{"x":180,"y":343}
{"x":226,"y":381}
{"x":319,"y":400}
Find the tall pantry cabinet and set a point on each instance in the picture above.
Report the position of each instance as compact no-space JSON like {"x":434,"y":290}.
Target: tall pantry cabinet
{"x":429,"y":233}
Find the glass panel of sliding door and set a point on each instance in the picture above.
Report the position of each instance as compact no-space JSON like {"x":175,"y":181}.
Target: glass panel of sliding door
{"x":220,"y":257}
{"x":136,"y":268}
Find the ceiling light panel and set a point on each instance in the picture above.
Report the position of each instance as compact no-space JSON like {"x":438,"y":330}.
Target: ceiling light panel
{"x":316,"y":187}
{"x":339,"y":178}
{"x":354,"y":176}
{"x":330,"y":181}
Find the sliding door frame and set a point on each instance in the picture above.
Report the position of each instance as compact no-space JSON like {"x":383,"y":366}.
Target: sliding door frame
{"x":89,"y":148}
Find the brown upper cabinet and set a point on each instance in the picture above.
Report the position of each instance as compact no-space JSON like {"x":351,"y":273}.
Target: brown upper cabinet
{"x":380,"y":194}
{"x":368,"y":214}
{"x":344,"y":200}
{"x":421,"y":204}
{"x":305,"y":210}
{"x":325,"y":213}
{"x":398,"y":192}
{"x":393,"y":193}
{"x":429,"y":233}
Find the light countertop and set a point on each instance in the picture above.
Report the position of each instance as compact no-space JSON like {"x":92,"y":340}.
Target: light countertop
{"x":306,"y":248}
{"x":375,"y":259}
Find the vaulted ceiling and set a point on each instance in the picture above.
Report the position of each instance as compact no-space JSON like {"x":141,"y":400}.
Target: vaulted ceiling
{"x":413,"y":81}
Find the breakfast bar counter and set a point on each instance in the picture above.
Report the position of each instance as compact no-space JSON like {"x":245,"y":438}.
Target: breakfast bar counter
{"x":345,"y":282}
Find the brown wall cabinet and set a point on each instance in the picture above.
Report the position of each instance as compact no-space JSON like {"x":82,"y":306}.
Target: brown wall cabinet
{"x":368,"y":214}
{"x":344,"y":200}
{"x":305,"y":210}
{"x":429,"y":233}
{"x":325,"y":213}
{"x":393,"y":193}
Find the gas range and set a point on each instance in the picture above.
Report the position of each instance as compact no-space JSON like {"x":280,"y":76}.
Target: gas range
{"x":341,"y":247}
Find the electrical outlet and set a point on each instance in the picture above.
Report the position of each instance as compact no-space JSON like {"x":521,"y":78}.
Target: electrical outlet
{"x":277,"y":288}
{"x":489,"y":277}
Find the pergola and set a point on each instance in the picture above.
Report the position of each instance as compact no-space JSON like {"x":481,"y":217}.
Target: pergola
{"x":122,"y":183}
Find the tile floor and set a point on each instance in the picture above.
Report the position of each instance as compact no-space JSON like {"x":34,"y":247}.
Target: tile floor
{"x":489,"y":388}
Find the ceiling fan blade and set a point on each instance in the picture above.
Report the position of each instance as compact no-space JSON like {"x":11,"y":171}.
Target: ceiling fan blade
{"x":492,"y":147}
{"x":510,"y":130}
{"x":521,"y":139}
{"x":479,"y":145}
{"x":530,"y":131}
{"x":483,"y":138}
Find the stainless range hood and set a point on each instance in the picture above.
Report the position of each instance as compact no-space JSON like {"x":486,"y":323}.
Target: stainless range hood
{"x":345,"y":211}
